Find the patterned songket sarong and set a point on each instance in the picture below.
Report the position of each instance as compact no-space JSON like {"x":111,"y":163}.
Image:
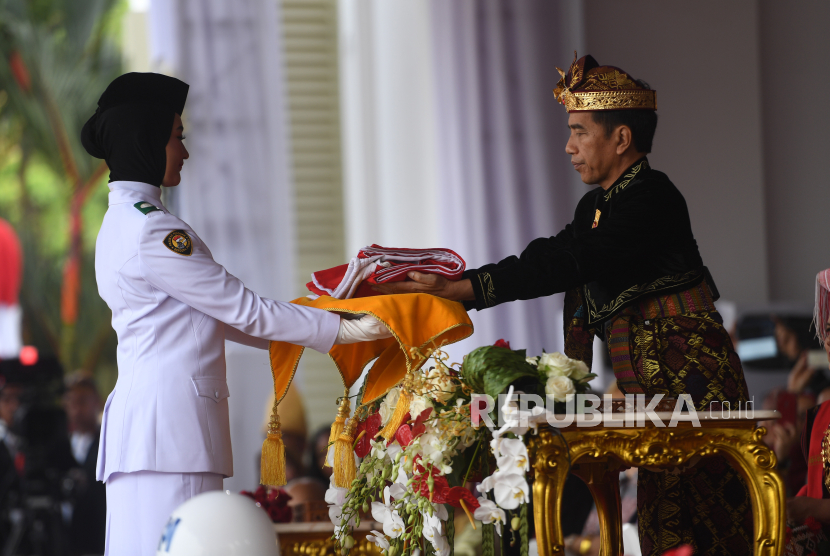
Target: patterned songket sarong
{"x":676,"y":344}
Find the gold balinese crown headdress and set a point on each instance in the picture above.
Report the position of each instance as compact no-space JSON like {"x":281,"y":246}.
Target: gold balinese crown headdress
{"x":588,"y":87}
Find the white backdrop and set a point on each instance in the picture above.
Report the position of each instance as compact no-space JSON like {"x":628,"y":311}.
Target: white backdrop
{"x":453,"y":138}
{"x":236,"y":188}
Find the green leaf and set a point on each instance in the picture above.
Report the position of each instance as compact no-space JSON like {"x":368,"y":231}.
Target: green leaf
{"x":490,"y":370}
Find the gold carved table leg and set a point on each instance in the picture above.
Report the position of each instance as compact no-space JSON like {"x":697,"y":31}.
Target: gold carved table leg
{"x":592,"y":449}
{"x":756,"y":463}
{"x":551,"y":471}
{"x":603,"y":480}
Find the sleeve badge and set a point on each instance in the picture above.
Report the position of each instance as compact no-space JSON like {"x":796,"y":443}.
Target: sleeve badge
{"x":179,"y":242}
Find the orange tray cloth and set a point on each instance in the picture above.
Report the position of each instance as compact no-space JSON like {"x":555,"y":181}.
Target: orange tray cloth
{"x":416,"y":320}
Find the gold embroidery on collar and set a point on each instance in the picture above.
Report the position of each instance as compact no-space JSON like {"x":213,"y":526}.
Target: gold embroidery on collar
{"x":628,"y":177}
{"x":632,"y":293}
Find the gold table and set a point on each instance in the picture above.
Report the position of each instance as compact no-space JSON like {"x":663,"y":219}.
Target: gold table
{"x":314,"y":539}
{"x":599,"y":453}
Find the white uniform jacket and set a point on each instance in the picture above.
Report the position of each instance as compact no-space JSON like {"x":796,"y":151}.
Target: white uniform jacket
{"x":173,"y":307}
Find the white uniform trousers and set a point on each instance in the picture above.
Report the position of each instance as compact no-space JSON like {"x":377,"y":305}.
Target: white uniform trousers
{"x":139,"y":504}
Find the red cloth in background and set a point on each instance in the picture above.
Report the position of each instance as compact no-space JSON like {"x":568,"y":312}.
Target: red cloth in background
{"x":378,"y":265}
{"x":11,"y":264}
{"x":815,"y":464}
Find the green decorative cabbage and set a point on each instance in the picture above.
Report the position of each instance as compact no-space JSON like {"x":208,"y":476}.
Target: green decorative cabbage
{"x":490,"y":369}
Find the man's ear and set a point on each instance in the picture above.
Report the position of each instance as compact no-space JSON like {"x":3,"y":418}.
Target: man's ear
{"x":623,"y":137}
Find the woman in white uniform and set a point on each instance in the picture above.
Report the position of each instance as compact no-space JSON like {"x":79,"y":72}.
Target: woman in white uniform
{"x":165,"y":435}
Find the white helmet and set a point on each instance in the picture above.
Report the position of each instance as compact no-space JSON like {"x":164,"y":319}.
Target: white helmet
{"x":218,"y":524}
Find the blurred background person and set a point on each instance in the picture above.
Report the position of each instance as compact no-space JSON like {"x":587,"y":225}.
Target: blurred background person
{"x":794,"y":341}
{"x":9,"y":473}
{"x":82,"y":403}
{"x":318,"y":447}
{"x":813,"y":500}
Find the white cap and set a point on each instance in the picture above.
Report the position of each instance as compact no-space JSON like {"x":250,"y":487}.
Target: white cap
{"x":218,"y":523}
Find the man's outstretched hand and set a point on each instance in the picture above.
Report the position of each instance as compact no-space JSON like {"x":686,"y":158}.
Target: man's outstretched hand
{"x":434,"y":284}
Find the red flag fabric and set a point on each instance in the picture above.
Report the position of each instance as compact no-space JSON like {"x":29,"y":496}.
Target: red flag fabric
{"x":377,"y":265}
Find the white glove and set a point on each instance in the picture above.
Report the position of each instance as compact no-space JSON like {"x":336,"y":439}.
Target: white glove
{"x":364,"y":329}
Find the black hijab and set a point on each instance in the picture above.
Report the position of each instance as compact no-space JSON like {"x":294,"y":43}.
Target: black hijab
{"x":131,"y":127}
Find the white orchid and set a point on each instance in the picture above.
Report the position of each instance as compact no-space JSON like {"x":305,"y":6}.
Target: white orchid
{"x":441,"y":546}
{"x":489,"y":512}
{"x":440,"y":510}
{"x":336,"y":517}
{"x":487,"y":484}
{"x":394,"y":526}
{"x":512,"y":456}
{"x":379,"y":450}
{"x":510,"y":490}
{"x":379,"y":539}
{"x":515,"y":421}
{"x":335,"y":514}
{"x":433,"y":527}
{"x":336,"y":495}
{"x":398,"y":491}
{"x":393,"y":450}
{"x":330,"y":455}
{"x":433,"y":448}
{"x":402,"y":477}
{"x":381,"y":510}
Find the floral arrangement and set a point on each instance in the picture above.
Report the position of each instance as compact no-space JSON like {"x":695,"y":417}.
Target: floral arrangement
{"x":419,"y":452}
{"x":274,"y":501}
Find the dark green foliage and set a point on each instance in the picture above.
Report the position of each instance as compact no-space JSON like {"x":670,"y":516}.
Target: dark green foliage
{"x":491,"y":369}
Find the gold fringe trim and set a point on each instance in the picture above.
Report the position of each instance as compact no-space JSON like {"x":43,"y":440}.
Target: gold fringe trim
{"x":337,"y":426}
{"x":396,"y":419}
{"x":272,"y":463}
{"x":345,"y":469}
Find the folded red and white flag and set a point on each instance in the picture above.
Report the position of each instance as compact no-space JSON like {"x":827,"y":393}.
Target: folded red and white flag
{"x":377,"y":265}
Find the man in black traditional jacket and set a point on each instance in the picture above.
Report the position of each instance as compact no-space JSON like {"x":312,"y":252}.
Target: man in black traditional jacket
{"x":633,"y":275}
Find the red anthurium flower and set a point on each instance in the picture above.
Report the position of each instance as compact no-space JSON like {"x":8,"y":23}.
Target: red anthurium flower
{"x":457,"y":494}
{"x":418,"y":428}
{"x":502,"y":344}
{"x":404,"y":435}
{"x":391,"y":440}
{"x":371,"y":425}
{"x":440,"y":486}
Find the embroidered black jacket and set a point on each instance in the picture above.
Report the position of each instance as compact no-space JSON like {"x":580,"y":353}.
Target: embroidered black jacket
{"x":633,"y":240}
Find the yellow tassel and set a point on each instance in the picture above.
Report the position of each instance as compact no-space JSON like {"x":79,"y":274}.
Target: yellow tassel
{"x":272,"y":464}
{"x":345,"y":469}
{"x":396,"y":419}
{"x":337,"y":426}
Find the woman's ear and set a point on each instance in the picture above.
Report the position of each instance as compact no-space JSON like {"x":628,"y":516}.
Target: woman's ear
{"x":623,"y":137}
